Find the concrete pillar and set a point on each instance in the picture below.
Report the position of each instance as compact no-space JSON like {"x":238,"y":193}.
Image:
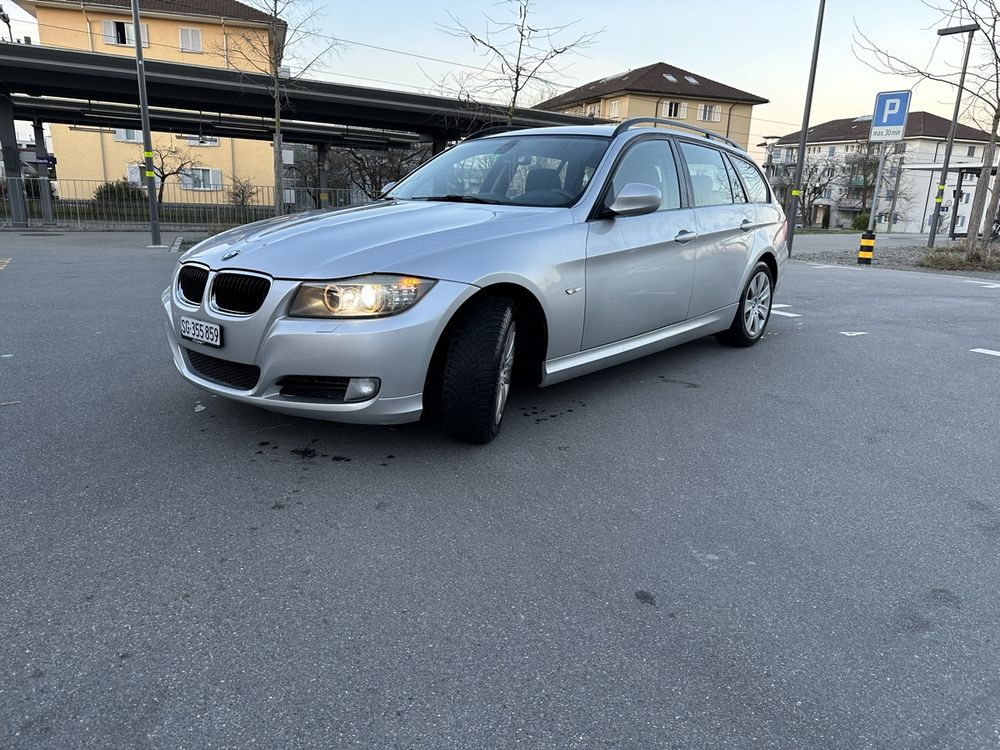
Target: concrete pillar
{"x":12,"y":165}
{"x":324,"y":190}
{"x":44,"y":191}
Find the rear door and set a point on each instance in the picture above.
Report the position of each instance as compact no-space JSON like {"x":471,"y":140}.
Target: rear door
{"x":639,"y":268}
{"x":725,"y":221}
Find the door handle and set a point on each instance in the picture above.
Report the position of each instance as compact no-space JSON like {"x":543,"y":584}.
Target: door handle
{"x":746,"y":225}
{"x":684,"y":236}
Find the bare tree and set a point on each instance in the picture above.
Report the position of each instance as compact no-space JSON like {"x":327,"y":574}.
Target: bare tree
{"x":369,"y":171}
{"x":292,"y":26}
{"x":982,"y":83}
{"x":519,"y":54}
{"x":241,"y":191}
{"x":819,"y":176}
{"x":170,"y":161}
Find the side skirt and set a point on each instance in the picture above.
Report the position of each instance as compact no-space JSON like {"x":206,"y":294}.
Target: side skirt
{"x":591,"y":360}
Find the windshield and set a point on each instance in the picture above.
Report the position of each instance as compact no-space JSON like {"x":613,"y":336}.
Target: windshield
{"x":525,"y":170}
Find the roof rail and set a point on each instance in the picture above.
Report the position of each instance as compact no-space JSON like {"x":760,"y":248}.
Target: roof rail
{"x":492,"y":130}
{"x":626,"y":124}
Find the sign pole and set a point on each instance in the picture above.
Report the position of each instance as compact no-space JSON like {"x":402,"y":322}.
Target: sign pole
{"x":878,"y":181}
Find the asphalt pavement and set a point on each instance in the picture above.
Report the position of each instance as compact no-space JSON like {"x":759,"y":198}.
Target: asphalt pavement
{"x":793,"y":545}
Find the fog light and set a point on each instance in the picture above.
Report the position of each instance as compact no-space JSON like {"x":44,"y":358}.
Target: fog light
{"x":362,"y":389}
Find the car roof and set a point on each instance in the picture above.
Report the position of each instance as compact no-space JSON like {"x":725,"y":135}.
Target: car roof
{"x":606,"y":131}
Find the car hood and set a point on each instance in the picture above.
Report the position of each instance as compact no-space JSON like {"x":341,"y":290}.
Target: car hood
{"x":389,"y":236}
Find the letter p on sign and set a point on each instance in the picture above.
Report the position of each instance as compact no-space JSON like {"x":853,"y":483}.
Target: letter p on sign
{"x":891,"y":108}
{"x":889,"y":116}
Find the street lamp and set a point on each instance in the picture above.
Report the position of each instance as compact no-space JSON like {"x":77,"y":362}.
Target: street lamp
{"x":793,"y":204}
{"x":6,"y":19}
{"x":970,"y":29}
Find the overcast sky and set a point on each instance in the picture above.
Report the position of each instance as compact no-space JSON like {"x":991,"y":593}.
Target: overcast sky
{"x":763,"y":48}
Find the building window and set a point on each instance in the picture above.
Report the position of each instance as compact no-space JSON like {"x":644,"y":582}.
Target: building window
{"x":199,"y":178}
{"x":614,"y":108}
{"x":709,"y":112}
{"x":691,"y":80}
{"x":190,"y":39}
{"x":128,"y":135}
{"x":120,"y":33}
{"x":675,"y":110}
{"x":134,"y":174}
{"x":202,"y":140}
{"x":972,"y":151}
{"x":670,"y":77}
{"x":594,"y":110}
{"x":832,"y":151}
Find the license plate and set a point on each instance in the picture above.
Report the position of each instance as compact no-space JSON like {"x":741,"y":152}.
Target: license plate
{"x":200,"y":331}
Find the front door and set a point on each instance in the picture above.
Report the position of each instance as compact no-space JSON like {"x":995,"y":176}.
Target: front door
{"x":639,"y":268}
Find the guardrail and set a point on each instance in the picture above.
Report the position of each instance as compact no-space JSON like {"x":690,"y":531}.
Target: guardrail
{"x":99,"y":205}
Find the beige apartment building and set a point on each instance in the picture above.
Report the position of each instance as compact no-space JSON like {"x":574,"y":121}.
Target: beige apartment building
{"x":215,"y":33}
{"x":662,"y":90}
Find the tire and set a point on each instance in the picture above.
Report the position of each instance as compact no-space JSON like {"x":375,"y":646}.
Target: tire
{"x":477,"y":371}
{"x":753,"y":311}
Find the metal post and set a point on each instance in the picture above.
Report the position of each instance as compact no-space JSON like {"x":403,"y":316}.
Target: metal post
{"x":324,"y":191}
{"x":895,"y":193}
{"x":793,"y":204}
{"x":954,"y":206}
{"x":12,"y":165}
{"x":147,"y":138}
{"x":42,"y":158}
{"x":936,"y":217}
{"x":878,"y":182}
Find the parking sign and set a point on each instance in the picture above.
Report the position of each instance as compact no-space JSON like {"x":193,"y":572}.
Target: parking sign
{"x":889,"y":118}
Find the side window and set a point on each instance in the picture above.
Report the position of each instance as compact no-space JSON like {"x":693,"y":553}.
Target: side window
{"x":650,"y":162}
{"x":709,"y":177}
{"x":734,"y":184}
{"x":755,"y":184}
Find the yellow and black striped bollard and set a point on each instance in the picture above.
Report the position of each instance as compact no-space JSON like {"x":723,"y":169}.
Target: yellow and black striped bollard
{"x":867,"y":249}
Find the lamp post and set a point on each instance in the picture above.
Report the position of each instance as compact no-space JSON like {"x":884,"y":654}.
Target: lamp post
{"x":969,"y":29}
{"x":147,"y":139}
{"x":6,"y":19}
{"x":793,"y":204}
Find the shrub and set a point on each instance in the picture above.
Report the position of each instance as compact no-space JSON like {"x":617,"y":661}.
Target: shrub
{"x":119,"y":191}
{"x":860,"y":223}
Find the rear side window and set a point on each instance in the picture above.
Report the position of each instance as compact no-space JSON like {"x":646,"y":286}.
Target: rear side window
{"x":709,"y":178}
{"x":734,"y":184}
{"x":755,"y":184}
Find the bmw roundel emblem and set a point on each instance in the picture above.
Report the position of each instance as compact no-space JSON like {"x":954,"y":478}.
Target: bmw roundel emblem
{"x":231,"y":254}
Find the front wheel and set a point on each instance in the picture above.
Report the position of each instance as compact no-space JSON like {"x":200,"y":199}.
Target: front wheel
{"x":477,"y":371}
{"x":753,"y":311}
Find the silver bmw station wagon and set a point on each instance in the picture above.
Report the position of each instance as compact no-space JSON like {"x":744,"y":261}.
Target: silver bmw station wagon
{"x":536,"y":254}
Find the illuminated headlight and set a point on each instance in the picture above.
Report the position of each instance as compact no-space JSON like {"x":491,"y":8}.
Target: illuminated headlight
{"x":362,"y":297}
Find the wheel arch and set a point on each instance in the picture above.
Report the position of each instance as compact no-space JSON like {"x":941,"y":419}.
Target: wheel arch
{"x":532,"y":337}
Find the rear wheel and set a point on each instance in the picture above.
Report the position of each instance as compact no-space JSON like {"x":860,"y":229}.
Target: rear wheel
{"x":753,"y":311}
{"x":478,"y":368}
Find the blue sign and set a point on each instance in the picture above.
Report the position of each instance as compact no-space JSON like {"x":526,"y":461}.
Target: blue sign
{"x":889,"y":117}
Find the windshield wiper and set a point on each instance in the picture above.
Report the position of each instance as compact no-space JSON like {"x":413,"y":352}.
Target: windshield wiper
{"x":457,"y":199}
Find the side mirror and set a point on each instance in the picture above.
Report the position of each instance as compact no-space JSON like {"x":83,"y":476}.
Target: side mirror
{"x":636,"y":199}
{"x":387,"y":187}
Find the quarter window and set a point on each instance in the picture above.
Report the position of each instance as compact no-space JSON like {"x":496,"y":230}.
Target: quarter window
{"x":756,"y":187}
{"x":709,"y":178}
{"x":650,"y":162}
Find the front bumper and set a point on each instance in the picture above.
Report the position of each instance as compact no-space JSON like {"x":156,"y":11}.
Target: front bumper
{"x":396,"y":349}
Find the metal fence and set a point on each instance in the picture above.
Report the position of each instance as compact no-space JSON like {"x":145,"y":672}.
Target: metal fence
{"x":98,"y":205}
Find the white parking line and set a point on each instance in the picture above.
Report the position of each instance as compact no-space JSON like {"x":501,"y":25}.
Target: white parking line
{"x":785,"y":314}
{"x":986,"y":351}
{"x":3,"y":263}
{"x":854,"y":333}
{"x":983,"y":284}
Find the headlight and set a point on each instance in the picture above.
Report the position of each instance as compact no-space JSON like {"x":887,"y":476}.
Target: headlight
{"x":362,"y":297}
